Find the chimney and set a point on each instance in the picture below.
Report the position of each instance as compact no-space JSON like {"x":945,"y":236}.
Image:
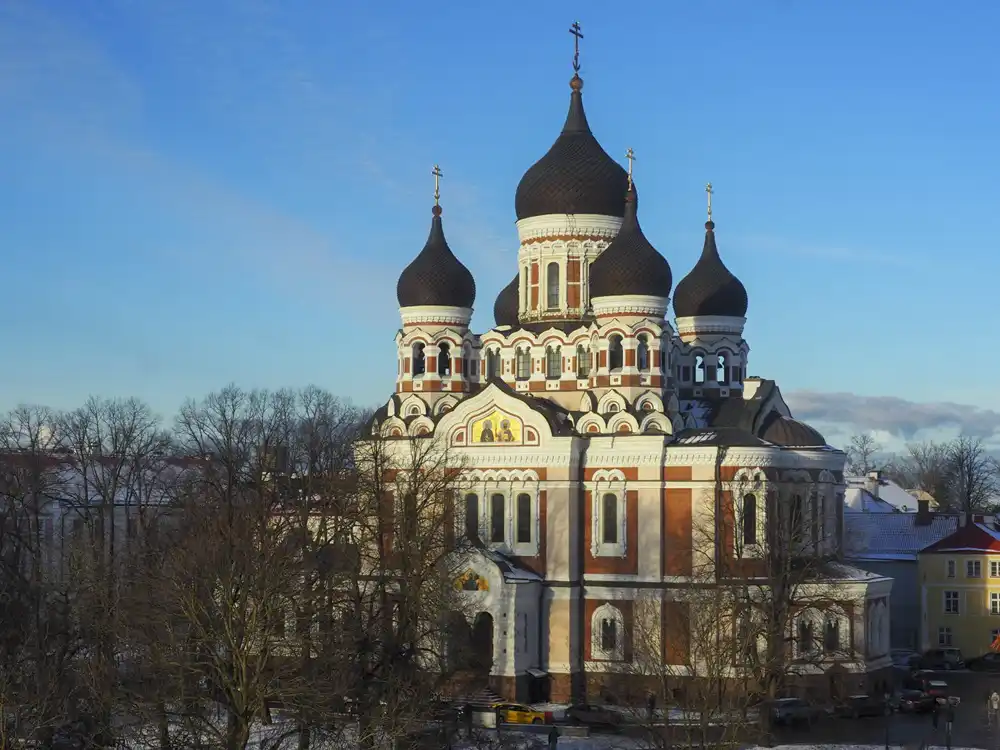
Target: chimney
{"x":923,"y":513}
{"x":873,"y":480}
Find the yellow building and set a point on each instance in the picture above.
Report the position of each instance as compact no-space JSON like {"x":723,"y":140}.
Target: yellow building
{"x":960,"y":590}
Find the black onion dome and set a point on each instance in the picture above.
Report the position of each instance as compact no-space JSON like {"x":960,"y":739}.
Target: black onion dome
{"x":630,"y":264}
{"x":576,"y":176}
{"x":710,"y":288}
{"x":505,"y":308}
{"x":436,"y":276}
{"x":792,"y":433}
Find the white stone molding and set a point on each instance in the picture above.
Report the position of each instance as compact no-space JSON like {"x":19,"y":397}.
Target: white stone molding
{"x":440,"y":314}
{"x":658,"y":421}
{"x":597,"y":651}
{"x":572,"y":225}
{"x":420,"y":427}
{"x":651,"y":397}
{"x":609,"y":398}
{"x":647,"y":306}
{"x":592,"y":418}
{"x":587,"y":402}
{"x":746,"y":456}
{"x":798,"y":475}
{"x":393,"y":427}
{"x":521,"y":477}
{"x":616,"y":421}
{"x":608,"y":483}
{"x":413,"y":406}
{"x":712,"y":324}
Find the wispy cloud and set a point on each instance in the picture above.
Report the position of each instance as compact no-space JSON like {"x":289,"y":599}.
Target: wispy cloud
{"x":818,"y":251}
{"x":894,"y":421}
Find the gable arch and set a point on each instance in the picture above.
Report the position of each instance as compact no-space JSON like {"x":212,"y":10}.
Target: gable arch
{"x":649,"y":397}
{"x":611,"y":397}
{"x":826,"y":476}
{"x":678,"y":422}
{"x":607,"y":628}
{"x":591,"y":423}
{"x":657,"y":422}
{"x":623,"y":422}
{"x":413,"y":406}
{"x":421,"y":427}
{"x":445,"y":404}
{"x":587,"y":402}
{"x":393,"y":427}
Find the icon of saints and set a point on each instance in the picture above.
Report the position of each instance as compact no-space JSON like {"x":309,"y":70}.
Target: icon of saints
{"x":506,"y":436}
{"x":486,"y":436}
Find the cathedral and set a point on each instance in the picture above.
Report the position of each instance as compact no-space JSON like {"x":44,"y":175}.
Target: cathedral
{"x":597,"y":432}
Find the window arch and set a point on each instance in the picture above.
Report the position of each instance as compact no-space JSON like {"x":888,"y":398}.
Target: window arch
{"x":523,"y":358}
{"x":831,"y":634}
{"x":553,"y":362}
{"x":642,"y":353}
{"x":492,"y":363}
{"x":720,"y":370}
{"x":607,"y":627}
{"x":582,"y":362}
{"x":552,"y":285}
{"x":749,"y":520}
{"x":699,"y":368}
{"x":616,"y":353}
{"x":419,"y":362}
{"x":444,"y":359}
{"x":805,"y":636}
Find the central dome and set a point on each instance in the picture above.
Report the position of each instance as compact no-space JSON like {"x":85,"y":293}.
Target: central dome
{"x":576,"y":175}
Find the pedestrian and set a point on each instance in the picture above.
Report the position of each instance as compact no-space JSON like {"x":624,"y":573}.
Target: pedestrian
{"x":936,"y":715}
{"x":651,"y":704}
{"x":553,"y":738}
{"x":994,"y":706}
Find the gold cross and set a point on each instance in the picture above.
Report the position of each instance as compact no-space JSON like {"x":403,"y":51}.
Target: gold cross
{"x":630,"y":155}
{"x":437,"y":183}
{"x":708,"y":189}
{"x":577,"y":36}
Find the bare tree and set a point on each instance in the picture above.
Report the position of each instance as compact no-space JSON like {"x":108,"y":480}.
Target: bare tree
{"x":861,"y":454}
{"x":972,"y":476}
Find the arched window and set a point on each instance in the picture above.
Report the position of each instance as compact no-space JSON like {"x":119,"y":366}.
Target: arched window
{"x":795,"y":520}
{"x":615,"y":353}
{"x":525,"y":292}
{"x":553,"y":362}
{"x":699,"y":369}
{"x":609,"y":519}
{"x":831,"y":635}
{"x":472,"y":517}
{"x":749,"y":520}
{"x":525,"y":518}
{"x":523,"y":363}
{"x":498,"y":518}
{"x":805,"y":637}
{"x":444,"y":359}
{"x":663,"y":362}
{"x":582,"y":362}
{"x":552,"y":286}
{"x":419,"y":363}
{"x":492,"y":363}
{"x":720,"y":371}
{"x":642,"y":353}
{"x":607,"y":634}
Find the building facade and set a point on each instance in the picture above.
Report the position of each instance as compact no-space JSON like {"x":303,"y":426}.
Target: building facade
{"x":598,"y":441}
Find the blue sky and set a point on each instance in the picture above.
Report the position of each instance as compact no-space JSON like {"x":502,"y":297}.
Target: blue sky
{"x":196,"y":193}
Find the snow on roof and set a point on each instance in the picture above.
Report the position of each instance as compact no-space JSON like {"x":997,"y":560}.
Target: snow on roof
{"x":973,"y":537}
{"x":841,"y":572}
{"x":860,"y":500}
{"x":887,"y":492}
{"x":892,"y":536}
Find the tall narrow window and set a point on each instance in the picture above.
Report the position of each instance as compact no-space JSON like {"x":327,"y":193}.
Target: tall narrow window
{"x":582,"y":362}
{"x":525,"y":519}
{"x":419,"y":363}
{"x":523,"y":363}
{"x":720,"y":370}
{"x":749,"y":520}
{"x":552,"y":286}
{"x":616,"y":354}
{"x":609,"y":635}
{"x":525,"y":290}
{"x":553,"y":362}
{"x":699,"y":369}
{"x":805,"y":637}
{"x":472,"y":517}
{"x":795,"y":520}
{"x":497,"y":518}
{"x":492,"y":364}
{"x":831,"y":636}
{"x":444,"y":359}
{"x":642,"y":352}
{"x":609,"y":519}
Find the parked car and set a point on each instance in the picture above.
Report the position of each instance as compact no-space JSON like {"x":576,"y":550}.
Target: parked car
{"x":915,"y":702}
{"x":518,"y":713}
{"x":794,"y":711}
{"x":942,"y":658}
{"x":857,"y":706}
{"x":904,"y":658}
{"x":986,"y":663}
{"x":593,"y":716}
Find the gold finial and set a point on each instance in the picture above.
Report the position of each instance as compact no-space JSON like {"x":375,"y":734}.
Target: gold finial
{"x":577,"y":36}
{"x":708,"y":190}
{"x":437,"y":184}
{"x":630,"y":155}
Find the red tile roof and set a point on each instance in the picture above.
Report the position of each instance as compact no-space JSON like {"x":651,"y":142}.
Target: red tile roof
{"x":973,"y":537}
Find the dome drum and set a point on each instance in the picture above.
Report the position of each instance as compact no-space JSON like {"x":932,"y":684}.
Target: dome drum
{"x":691,"y":328}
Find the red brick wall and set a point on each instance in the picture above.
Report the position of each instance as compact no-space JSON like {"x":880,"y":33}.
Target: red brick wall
{"x":676,"y":532}
{"x":589,"y":607}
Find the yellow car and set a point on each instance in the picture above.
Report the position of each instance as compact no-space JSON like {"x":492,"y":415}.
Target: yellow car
{"x":518,"y":713}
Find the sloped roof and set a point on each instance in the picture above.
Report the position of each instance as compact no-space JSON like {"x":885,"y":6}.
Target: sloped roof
{"x":888,"y":492}
{"x":973,"y":537}
{"x":860,"y":500}
{"x":892,"y":536}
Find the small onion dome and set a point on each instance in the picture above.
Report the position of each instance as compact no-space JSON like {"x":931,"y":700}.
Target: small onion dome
{"x":792,"y":433}
{"x":630,"y":264}
{"x":505,"y":308}
{"x":710,"y":288}
{"x":436,"y":276}
{"x":576,"y":176}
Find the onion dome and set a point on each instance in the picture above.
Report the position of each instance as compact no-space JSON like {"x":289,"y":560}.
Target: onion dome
{"x":630,"y":264}
{"x":576,"y":176}
{"x":792,"y":433}
{"x":710,"y":288}
{"x":436,"y":276}
{"x":505,"y":308}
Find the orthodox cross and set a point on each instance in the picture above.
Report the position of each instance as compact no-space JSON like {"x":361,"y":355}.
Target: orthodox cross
{"x":630,"y":155}
{"x":708,"y":189}
{"x":437,"y":183}
{"x":577,"y":36}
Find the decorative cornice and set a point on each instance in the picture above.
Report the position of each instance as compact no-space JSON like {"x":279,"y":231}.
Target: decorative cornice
{"x":744,"y":456}
{"x":568,"y":227}
{"x":630,"y":304}
{"x":435,"y":315}
{"x":710,"y":324}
